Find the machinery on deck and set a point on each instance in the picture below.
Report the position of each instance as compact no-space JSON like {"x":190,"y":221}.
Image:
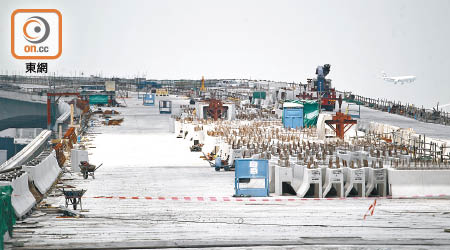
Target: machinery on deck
{"x":197,"y":147}
{"x":320,"y":88}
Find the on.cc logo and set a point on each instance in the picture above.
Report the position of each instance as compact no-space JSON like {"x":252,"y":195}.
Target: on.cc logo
{"x":39,"y":26}
{"x":36,"y":34}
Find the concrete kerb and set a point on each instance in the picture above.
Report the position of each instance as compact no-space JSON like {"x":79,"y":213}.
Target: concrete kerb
{"x":311,"y":177}
{"x":22,"y":199}
{"x":45,"y":173}
{"x":355,"y":178}
{"x":407,"y":183}
{"x":77,"y":156}
{"x":376,"y":178}
{"x":282,"y":174}
{"x":334,"y":177}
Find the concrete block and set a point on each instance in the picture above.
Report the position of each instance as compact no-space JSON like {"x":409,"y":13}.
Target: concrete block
{"x":410,"y":183}
{"x":282,"y":174}
{"x":45,"y":173}
{"x":22,"y":200}
{"x":272,"y":164}
{"x":297,"y":176}
{"x":344,"y":157}
{"x":355,"y":178}
{"x":76,"y":157}
{"x":312,"y":178}
{"x":376,"y":178}
{"x":334,"y":177}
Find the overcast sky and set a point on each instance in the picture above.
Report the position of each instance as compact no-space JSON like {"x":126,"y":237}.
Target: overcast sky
{"x":273,"y":40}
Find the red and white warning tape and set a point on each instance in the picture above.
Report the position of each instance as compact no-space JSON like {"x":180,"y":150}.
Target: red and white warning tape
{"x":256,"y":199}
{"x":371,"y":209}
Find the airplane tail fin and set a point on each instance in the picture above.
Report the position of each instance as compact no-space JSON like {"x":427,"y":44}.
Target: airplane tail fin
{"x":383,"y":74}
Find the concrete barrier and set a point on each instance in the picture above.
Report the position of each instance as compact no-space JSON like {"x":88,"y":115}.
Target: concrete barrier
{"x":297,"y":176}
{"x":272,"y":164}
{"x":28,"y":151}
{"x":360,"y":155}
{"x":376,"y":178}
{"x":45,"y":173}
{"x":410,"y":183}
{"x":234,"y":154}
{"x":282,"y":174}
{"x":77,"y":156}
{"x":344,"y":156}
{"x":355,"y":179}
{"x":22,"y":199}
{"x":334,"y":177}
{"x":312,"y":178}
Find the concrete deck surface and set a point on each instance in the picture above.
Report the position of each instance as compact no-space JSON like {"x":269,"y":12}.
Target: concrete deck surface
{"x":141,"y":159}
{"x":436,"y":131}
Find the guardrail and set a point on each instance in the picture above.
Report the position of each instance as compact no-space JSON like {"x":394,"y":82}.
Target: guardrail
{"x":27,"y":151}
{"x":405,"y":109}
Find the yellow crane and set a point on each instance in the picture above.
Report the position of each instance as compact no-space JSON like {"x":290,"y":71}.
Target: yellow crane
{"x":202,"y":88}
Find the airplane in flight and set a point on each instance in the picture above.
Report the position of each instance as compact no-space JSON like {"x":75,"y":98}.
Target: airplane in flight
{"x":397,"y":79}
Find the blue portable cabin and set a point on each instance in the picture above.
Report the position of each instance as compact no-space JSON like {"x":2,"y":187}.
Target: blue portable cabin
{"x":165,"y":107}
{"x":245,"y":171}
{"x":149,"y":100}
{"x":292,"y":115}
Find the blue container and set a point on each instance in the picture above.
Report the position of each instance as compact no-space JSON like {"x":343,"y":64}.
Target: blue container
{"x":293,"y":117}
{"x":248,"y":169}
{"x":149,"y":100}
{"x":165,"y":107}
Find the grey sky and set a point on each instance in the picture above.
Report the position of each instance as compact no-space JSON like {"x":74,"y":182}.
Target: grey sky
{"x":274,"y":40}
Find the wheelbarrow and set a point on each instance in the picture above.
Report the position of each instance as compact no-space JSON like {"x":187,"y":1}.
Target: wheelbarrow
{"x":88,"y":169}
{"x":73,"y":197}
{"x":196,"y":148}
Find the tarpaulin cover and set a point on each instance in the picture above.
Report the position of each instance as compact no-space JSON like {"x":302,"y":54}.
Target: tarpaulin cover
{"x":7,"y":217}
{"x":98,"y":99}
{"x":310,"y":111}
{"x":259,"y":95}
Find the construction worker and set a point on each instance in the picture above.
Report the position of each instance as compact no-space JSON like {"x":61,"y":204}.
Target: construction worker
{"x":218,"y":162}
